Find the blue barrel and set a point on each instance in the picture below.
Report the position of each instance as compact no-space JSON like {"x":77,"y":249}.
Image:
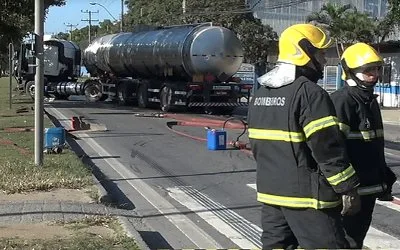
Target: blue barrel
{"x":216,"y":139}
{"x":54,"y":137}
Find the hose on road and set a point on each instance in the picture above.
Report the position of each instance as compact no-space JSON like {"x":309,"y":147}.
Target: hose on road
{"x":208,"y":123}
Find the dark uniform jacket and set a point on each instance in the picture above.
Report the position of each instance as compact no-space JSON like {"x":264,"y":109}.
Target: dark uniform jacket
{"x":299,"y":149}
{"x":361,"y":122}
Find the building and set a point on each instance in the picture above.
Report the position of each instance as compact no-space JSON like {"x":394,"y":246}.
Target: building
{"x":280,"y":14}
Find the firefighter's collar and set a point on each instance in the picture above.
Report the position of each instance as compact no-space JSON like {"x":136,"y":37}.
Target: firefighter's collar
{"x":282,"y":74}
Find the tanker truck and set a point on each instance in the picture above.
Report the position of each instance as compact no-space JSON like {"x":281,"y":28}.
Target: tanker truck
{"x":165,"y":67}
{"x":185,"y":65}
{"x":62,"y":62}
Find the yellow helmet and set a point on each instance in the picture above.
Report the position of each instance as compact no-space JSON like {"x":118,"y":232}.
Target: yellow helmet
{"x":295,"y":43}
{"x":357,"y":57}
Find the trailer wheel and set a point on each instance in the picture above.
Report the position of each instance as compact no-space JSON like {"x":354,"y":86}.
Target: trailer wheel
{"x":143,"y":102}
{"x":165,"y":99}
{"x":124,"y":92}
{"x":30,"y":89}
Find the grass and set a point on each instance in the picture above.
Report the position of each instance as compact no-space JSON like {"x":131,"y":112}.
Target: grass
{"x":80,"y":238}
{"x":18,"y":172}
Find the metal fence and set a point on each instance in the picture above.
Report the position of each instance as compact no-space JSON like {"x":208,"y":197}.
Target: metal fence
{"x":331,"y":80}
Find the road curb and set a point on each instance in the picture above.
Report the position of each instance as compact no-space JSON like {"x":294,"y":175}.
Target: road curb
{"x":132,"y":232}
{"x":103,"y":195}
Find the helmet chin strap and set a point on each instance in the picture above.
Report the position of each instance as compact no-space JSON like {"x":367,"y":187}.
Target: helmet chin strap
{"x":362,"y":84}
{"x":365,"y":83}
{"x":309,"y":49}
{"x":359,"y":83}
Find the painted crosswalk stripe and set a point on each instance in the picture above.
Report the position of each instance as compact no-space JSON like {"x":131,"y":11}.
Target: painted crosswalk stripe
{"x":224,"y":220}
{"x":375,"y":239}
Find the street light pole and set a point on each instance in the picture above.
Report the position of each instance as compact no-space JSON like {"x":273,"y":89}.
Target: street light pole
{"x":39,"y":82}
{"x":122,"y":16}
{"x":122,"y":10}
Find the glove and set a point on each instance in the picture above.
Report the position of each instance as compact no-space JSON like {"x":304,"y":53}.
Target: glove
{"x":386,"y":196}
{"x":351,"y":202}
{"x":390,"y":179}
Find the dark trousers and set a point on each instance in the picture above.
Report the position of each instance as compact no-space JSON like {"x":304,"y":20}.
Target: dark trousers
{"x":356,"y":226}
{"x":308,"y":228}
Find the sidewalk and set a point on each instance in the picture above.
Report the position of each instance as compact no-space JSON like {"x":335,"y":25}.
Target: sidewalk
{"x":391,"y":116}
{"x":27,"y":212}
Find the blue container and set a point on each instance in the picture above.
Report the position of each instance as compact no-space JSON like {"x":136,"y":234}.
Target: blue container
{"x":54,"y":137}
{"x":216,"y":139}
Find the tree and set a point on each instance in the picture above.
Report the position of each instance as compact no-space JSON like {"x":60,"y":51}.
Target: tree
{"x":232,"y":14}
{"x":345,"y":24}
{"x":62,"y":35}
{"x":81,"y":36}
{"x":391,"y":21}
{"x":330,"y":17}
{"x":155,"y":12}
{"x":17,"y":19}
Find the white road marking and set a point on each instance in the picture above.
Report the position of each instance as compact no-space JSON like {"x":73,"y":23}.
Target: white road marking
{"x":209,"y":215}
{"x":253,"y":186}
{"x":391,"y":154}
{"x":375,"y":239}
{"x":197,"y":235}
{"x":389,"y":204}
{"x":391,"y":122}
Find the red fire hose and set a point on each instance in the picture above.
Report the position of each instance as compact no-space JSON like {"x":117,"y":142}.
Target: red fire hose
{"x":207,"y":123}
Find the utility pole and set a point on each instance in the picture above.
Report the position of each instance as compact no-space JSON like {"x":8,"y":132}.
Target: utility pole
{"x":39,"y":82}
{"x":90,"y":20}
{"x":70,"y":26}
{"x":122,"y":16}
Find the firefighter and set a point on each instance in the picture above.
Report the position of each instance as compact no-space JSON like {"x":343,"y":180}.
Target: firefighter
{"x":360,"y":120}
{"x":304,"y":178}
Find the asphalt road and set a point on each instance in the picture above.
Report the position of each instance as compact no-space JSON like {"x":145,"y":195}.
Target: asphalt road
{"x":188,"y":196}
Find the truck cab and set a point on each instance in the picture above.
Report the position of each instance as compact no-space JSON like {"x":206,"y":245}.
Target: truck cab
{"x":62,"y":63}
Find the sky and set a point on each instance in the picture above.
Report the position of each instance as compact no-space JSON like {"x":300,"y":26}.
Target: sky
{"x":59,"y":17}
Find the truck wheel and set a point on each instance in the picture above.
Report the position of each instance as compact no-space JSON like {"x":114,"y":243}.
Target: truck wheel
{"x":93,"y":92}
{"x":165,"y":99}
{"x":30,"y":89}
{"x":143,"y":102}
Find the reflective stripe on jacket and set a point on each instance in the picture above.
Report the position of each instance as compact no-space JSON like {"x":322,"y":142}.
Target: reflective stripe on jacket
{"x":299,"y":149}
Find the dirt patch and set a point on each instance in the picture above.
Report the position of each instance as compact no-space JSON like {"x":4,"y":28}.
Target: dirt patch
{"x":20,"y":150}
{"x":34,"y":231}
{"x":18,"y":129}
{"x":48,"y":231}
{"x":76,"y":195}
